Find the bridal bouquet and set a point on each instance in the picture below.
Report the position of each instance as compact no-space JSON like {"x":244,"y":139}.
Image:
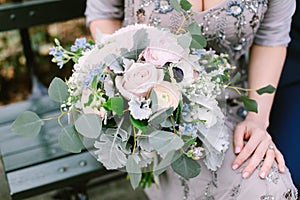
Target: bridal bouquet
{"x":146,"y":98}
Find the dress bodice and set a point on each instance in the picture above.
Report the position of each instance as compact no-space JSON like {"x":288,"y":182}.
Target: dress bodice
{"x":229,"y":27}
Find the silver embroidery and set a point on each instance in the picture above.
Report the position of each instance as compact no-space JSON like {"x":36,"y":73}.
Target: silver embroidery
{"x":273,"y":175}
{"x":267,"y":197}
{"x":235,"y":191}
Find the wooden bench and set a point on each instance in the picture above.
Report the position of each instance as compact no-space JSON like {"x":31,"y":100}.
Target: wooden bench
{"x":35,"y":165}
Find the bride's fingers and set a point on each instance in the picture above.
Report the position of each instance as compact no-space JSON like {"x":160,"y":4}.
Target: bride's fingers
{"x":256,"y":158}
{"x":247,"y":151}
{"x":280,"y":160}
{"x":268,"y":162}
{"x":238,"y":140}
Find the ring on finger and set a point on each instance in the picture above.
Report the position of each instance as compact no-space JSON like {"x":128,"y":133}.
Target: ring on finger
{"x":271,"y":147}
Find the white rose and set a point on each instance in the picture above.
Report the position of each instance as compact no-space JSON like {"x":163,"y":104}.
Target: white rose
{"x":138,"y":79}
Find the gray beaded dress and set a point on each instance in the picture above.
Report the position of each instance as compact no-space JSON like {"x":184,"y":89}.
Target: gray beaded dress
{"x":230,"y":27}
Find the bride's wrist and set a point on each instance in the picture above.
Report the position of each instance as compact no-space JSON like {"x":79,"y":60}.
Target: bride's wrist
{"x":262,"y":120}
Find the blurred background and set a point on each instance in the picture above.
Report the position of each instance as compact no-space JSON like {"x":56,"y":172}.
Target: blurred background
{"x":15,"y":84}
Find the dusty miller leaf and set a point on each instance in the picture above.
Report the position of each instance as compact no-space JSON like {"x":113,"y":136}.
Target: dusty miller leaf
{"x":111,"y":153}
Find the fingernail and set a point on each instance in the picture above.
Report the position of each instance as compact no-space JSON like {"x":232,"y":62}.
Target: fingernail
{"x":282,"y":169}
{"x":235,"y":166}
{"x":237,"y":150}
{"x":245,"y":174}
{"x":262,"y":175}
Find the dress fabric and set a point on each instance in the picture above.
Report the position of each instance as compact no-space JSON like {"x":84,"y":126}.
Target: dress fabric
{"x":230,"y":27}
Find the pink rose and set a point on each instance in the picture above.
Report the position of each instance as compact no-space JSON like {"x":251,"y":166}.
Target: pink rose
{"x":138,"y":79}
{"x":160,"y":56}
{"x":167,"y":95}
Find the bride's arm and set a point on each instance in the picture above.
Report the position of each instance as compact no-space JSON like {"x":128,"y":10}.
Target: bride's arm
{"x":104,"y":15}
{"x":106,"y":26}
{"x":265,"y":66}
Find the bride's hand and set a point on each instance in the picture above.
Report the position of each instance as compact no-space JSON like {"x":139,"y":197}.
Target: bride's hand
{"x":259,"y":146}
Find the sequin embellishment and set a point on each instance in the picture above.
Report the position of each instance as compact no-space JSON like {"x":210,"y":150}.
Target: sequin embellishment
{"x":235,"y":8}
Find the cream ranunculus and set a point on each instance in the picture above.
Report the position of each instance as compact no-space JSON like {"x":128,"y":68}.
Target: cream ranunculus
{"x":138,"y":79}
{"x":167,"y":95}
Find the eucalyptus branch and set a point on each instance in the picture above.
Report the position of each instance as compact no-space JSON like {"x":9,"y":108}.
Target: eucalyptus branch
{"x":182,"y":23}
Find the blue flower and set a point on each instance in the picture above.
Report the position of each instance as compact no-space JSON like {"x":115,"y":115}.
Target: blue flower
{"x":93,"y":73}
{"x":58,"y":54}
{"x":189,"y":129}
{"x":80,"y":43}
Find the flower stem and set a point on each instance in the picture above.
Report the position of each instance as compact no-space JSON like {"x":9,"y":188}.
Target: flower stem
{"x":134,"y":140}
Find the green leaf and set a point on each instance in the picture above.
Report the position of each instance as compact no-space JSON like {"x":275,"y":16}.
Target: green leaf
{"x":90,"y":100}
{"x":133,"y":171}
{"x":160,"y":116}
{"x":141,"y":125}
{"x":141,"y":42}
{"x":250,"y":104}
{"x":178,"y":112}
{"x":235,"y":78}
{"x":198,"y":42}
{"x":27,"y":124}
{"x":116,"y":104}
{"x":58,"y":90}
{"x":89,"y":125}
{"x":184,"y":40}
{"x":175,"y":4}
{"x":164,"y":142}
{"x":185,"y":5}
{"x":186,"y":167}
{"x":194,"y":29}
{"x":69,"y":140}
{"x":165,"y":163}
{"x":268,"y":89}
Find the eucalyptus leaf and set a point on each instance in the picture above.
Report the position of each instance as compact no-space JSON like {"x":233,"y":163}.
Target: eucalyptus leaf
{"x":133,"y":171}
{"x":198,"y":42}
{"x":160,"y":116}
{"x":184,"y":40}
{"x":58,"y":90}
{"x":185,"y":5}
{"x":268,"y":89}
{"x":175,"y":4}
{"x":164,"y":142}
{"x":186,"y":167}
{"x":89,"y":125}
{"x":141,"y":42}
{"x":69,"y":140}
{"x":194,"y":29}
{"x":250,"y":104}
{"x":166,"y":162}
{"x":143,"y":143}
{"x":27,"y":124}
